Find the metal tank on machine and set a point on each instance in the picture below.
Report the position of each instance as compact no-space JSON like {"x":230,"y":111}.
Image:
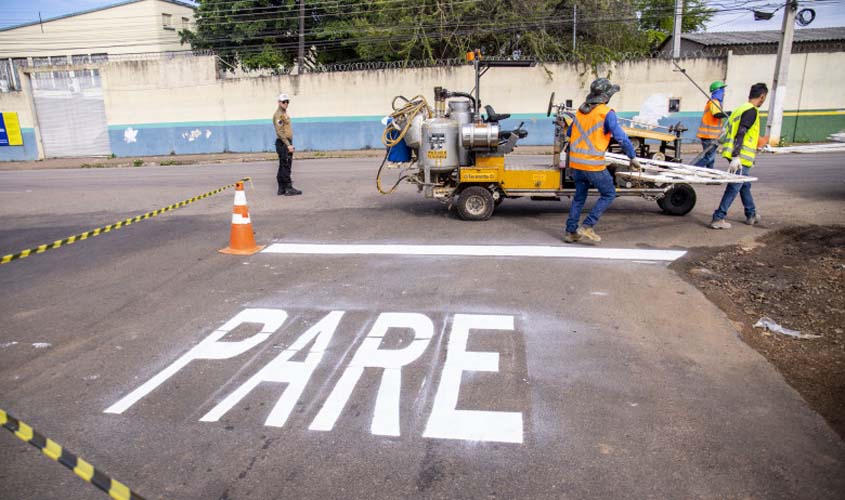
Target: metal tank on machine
{"x":461,"y":111}
{"x":439,"y":144}
{"x":439,"y":148}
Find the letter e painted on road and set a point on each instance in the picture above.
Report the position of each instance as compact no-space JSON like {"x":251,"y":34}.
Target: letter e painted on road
{"x":281,"y":369}
{"x":211,"y":348}
{"x":386,"y":415}
{"x":446,"y":421}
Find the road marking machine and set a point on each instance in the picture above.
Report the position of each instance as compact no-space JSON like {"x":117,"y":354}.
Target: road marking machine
{"x":456,"y":154}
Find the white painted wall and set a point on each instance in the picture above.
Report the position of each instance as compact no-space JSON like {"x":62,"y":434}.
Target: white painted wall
{"x":821,"y":74}
{"x":186,"y":89}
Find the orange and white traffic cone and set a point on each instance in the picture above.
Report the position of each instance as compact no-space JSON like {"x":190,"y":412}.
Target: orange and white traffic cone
{"x":241,"y":239}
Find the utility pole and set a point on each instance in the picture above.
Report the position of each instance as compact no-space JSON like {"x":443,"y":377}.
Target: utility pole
{"x":301,"y":58}
{"x":777,"y":94}
{"x":574,"y":24}
{"x":676,"y":29}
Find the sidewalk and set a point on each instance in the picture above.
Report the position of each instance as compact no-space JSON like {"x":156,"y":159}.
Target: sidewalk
{"x":148,"y":161}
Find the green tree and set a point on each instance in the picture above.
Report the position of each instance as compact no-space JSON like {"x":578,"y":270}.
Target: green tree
{"x":264,"y":33}
{"x":254,"y":34}
{"x":658,"y":17}
{"x":435,"y":29}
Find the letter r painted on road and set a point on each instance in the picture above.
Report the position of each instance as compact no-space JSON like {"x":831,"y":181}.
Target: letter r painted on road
{"x":386,"y":415}
{"x":211,"y":348}
{"x":446,"y":421}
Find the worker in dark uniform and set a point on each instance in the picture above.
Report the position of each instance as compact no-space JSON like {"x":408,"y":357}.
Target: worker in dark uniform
{"x":284,"y":147}
{"x":740,"y":149}
{"x":595,"y":123}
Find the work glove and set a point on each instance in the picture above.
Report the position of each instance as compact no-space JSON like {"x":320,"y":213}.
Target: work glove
{"x":635,"y":164}
{"x":735,"y":166}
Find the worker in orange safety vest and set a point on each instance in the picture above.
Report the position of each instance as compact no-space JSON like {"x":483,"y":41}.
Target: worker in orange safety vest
{"x":589,"y":136}
{"x":711,"y":124}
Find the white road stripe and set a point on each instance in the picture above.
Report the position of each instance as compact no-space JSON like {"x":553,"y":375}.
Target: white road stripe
{"x":577,"y":252}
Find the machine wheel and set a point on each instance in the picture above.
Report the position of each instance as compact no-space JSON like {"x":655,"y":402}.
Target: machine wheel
{"x":475,"y":203}
{"x":679,"y":200}
{"x":658,"y":156}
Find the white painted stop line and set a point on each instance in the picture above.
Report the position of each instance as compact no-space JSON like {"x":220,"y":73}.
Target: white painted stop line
{"x":577,"y":252}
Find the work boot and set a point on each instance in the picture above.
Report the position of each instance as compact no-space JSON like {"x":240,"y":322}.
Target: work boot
{"x":292,"y":191}
{"x":720,"y":224}
{"x":281,"y":191}
{"x":753,"y":220}
{"x":587,"y":232}
{"x":572,"y":237}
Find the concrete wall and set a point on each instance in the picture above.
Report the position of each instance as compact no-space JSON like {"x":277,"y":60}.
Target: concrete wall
{"x":342,"y":110}
{"x":130,"y":28}
{"x":179,"y":106}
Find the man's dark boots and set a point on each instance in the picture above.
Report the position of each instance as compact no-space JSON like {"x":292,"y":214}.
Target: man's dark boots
{"x":292,"y":191}
{"x":281,"y":191}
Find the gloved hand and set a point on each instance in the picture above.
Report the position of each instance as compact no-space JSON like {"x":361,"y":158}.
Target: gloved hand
{"x":735,"y":166}
{"x":635,"y":164}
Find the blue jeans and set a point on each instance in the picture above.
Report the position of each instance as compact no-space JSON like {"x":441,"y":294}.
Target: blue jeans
{"x":601,"y":180}
{"x":744,"y":190}
{"x":709,"y":158}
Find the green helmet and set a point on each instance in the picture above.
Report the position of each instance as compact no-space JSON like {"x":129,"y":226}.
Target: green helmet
{"x":718,"y":84}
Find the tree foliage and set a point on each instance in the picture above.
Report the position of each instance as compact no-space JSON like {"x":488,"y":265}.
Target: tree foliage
{"x":264,"y":33}
{"x":657,"y":17}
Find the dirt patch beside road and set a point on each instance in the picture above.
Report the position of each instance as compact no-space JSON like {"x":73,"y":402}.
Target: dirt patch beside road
{"x":794,"y":276}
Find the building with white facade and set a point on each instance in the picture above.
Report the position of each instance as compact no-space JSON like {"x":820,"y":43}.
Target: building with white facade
{"x":128,"y":27}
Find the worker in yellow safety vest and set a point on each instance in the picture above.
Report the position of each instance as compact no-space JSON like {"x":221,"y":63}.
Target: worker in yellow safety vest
{"x":589,"y":136}
{"x":711,"y":124}
{"x":740,"y":149}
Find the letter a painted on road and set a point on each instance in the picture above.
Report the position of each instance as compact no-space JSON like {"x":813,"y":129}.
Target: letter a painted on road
{"x":295,"y":373}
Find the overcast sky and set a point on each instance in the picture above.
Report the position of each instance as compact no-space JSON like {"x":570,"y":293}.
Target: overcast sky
{"x":828,"y":12}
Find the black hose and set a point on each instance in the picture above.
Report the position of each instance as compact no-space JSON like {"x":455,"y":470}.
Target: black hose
{"x":378,"y":176}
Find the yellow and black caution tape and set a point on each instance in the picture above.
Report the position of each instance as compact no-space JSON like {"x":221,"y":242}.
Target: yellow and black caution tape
{"x":111,"y":227}
{"x":80,"y":467}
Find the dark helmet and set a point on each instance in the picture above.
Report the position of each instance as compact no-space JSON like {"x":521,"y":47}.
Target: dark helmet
{"x":601,"y":90}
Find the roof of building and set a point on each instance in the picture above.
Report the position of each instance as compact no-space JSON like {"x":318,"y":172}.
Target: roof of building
{"x":96,"y":9}
{"x":716,"y":39}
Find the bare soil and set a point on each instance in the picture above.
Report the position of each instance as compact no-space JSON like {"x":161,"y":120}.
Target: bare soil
{"x":794,"y":276}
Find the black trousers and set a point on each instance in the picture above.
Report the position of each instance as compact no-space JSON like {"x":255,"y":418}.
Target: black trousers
{"x":285,"y":165}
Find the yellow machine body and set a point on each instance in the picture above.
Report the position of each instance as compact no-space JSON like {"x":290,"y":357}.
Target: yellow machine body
{"x":492,"y":170}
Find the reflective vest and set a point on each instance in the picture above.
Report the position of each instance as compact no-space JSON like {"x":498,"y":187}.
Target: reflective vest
{"x":711,"y":127}
{"x":588,"y":141}
{"x":749,"y":142}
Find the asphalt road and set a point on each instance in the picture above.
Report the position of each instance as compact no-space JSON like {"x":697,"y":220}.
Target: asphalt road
{"x":422,"y":377}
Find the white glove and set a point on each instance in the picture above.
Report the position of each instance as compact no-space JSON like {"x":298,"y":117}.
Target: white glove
{"x":635,"y":164}
{"x":735,"y":166}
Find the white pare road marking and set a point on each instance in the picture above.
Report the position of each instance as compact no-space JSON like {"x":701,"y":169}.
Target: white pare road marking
{"x":478,"y":251}
{"x":445,"y":420}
